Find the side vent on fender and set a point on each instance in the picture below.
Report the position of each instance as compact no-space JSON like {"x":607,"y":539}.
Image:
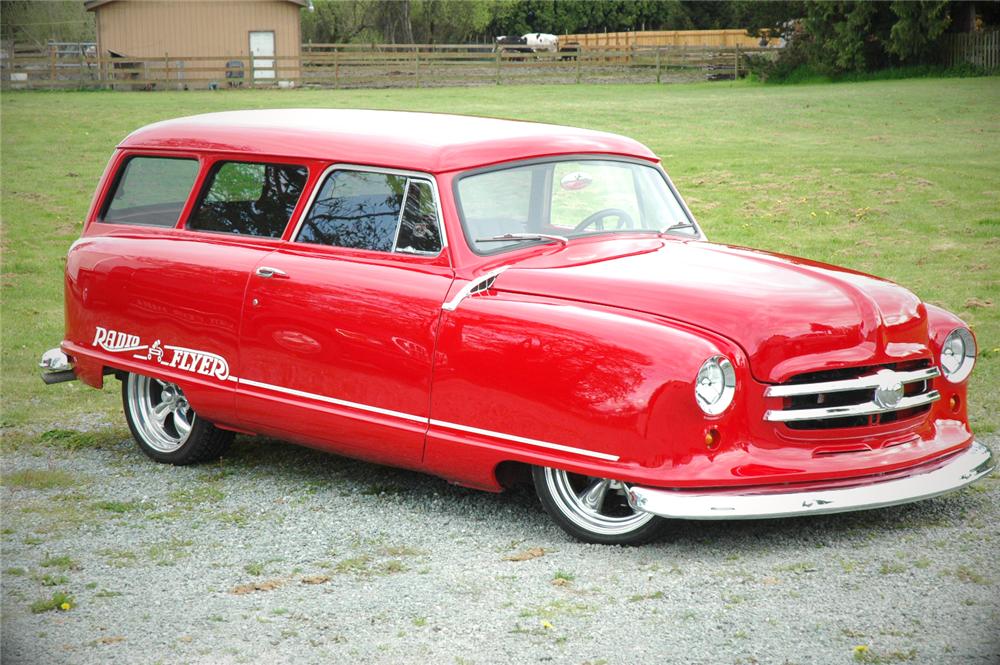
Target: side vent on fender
{"x":478,"y":285}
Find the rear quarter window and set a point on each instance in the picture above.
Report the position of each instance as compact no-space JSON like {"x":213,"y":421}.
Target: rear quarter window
{"x":151,"y":191}
{"x":248,"y":198}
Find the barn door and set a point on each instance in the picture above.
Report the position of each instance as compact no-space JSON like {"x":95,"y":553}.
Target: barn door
{"x":262,"y":53}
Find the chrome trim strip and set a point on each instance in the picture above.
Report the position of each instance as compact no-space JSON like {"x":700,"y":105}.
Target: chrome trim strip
{"x":333,"y":400}
{"x":427,"y":421}
{"x":963,"y":469}
{"x":677,"y":195}
{"x":864,"y":409}
{"x":466,"y":290}
{"x":399,"y":219}
{"x":860,"y":383}
{"x":522,"y":439}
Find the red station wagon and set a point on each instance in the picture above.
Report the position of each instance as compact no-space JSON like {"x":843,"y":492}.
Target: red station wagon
{"x":472,"y":297}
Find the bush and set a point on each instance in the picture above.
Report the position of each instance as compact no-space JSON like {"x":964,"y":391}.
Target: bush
{"x":778,"y":66}
{"x":807,"y":73}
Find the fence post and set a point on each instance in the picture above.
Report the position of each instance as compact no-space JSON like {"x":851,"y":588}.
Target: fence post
{"x":250,"y":83}
{"x":336,"y":68}
{"x":736,"y":76}
{"x":499,"y":51}
{"x":657,"y":64}
{"x":579,"y":57}
{"x":52,"y":62}
{"x":416,"y":66}
{"x":166,"y":69}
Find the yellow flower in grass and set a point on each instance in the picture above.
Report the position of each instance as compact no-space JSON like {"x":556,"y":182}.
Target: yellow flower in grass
{"x":65,"y":606}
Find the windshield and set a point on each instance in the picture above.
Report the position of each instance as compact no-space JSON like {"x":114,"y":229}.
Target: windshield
{"x":568,"y":198}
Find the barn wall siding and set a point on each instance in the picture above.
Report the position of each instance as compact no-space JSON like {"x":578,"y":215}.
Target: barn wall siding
{"x":186,"y":29}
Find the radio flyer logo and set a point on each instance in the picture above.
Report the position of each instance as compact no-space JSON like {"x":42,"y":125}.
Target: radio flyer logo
{"x":188,"y":360}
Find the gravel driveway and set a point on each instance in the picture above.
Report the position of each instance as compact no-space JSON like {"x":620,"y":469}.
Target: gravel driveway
{"x":281,"y":554}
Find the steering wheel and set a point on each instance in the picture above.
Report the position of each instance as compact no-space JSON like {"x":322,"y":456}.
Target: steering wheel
{"x":597,"y":219}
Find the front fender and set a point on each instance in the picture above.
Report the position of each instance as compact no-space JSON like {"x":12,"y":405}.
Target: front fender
{"x":589,"y":388}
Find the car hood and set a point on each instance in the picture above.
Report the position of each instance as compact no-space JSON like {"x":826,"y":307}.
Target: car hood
{"x":788,"y":314}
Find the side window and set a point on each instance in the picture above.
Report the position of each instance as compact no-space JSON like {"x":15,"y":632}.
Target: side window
{"x":151,"y":191}
{"x":418,"y":229}
{"x":248,"y":198}
{"x":375,"y":211}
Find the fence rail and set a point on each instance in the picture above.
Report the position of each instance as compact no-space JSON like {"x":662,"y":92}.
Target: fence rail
{"x":979,"y":49}
{"x":717,"y":38}
{"x":378,"y":65}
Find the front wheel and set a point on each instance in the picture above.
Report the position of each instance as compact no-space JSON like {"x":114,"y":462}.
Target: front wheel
{"x":593,"y":510}
{"x":164,"y":424}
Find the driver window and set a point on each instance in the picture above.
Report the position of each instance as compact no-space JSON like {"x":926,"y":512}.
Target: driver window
{"x":581,"y":189}
{"x":375,"y":211}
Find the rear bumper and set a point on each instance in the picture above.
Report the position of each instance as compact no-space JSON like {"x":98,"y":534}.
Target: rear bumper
{"x":56,"y":367}
{"x":961,"y":469}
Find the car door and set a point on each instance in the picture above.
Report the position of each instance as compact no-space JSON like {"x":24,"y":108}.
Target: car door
{"x":137,"y":281}
{"x":339,"y":324}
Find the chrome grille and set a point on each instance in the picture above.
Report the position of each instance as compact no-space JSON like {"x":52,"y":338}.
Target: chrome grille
{"x":855,"y":397}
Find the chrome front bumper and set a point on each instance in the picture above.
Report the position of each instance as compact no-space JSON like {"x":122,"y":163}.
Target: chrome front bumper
{"x":963,"y":469}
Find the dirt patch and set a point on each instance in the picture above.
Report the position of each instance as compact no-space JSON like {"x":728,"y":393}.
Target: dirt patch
{"x":268,"y":585}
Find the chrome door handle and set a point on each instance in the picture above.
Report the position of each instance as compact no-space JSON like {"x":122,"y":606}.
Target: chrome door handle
{"x":265,"y":271}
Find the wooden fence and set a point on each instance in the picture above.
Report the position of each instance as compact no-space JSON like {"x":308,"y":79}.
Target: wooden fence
{"x":377,"y":66}
{"x":619,"y":40}
{"x":979,"y":49}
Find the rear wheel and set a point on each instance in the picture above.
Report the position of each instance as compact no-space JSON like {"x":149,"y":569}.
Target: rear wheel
{"x":594,"y":510}
{"x":164,"y":424}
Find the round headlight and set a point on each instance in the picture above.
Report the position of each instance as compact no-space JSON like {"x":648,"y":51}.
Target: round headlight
{"x":958,"y":355}
{"x":715,"y":385}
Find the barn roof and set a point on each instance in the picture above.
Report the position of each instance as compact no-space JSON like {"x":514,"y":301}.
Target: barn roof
{"x":433,"y":142}
{"x":91,"y":5}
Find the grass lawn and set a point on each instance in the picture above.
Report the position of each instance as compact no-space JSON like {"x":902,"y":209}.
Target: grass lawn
{"x":897,"y":178}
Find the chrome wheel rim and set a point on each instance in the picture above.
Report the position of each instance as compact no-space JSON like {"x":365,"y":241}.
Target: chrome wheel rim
{"x":161,"y":413}
{"x":598,"y":505}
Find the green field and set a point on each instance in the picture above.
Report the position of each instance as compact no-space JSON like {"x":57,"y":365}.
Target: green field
{"x":897,"y":178}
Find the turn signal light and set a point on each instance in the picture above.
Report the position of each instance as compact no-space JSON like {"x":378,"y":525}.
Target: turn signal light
{"x":954,"y":403}
{"x":712,"y":439}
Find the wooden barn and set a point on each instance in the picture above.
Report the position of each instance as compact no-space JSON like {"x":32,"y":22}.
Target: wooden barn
{"x":239,"y":39}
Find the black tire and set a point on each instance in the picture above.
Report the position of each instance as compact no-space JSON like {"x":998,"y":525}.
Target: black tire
{"x":180,"y":437}
{"x":609,"y":521}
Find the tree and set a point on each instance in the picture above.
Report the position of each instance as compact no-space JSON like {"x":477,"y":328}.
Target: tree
{"x":392,"y":20}
{"x":847,"y":36}
{"x":842,"y":34}
{"x":516,"y":17}
{"x":35,"y":23}
{"x":339,"y":21}
{"x":917,"y":28}
{"x":760,"y":17}
{"x":450,"y":21}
